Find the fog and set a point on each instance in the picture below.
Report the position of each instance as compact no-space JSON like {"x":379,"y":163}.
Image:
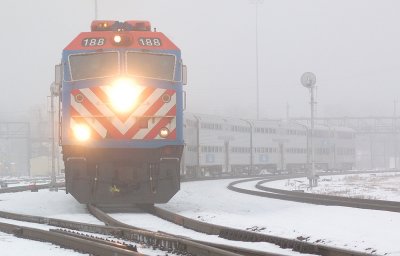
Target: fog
{"x":351,"y":46}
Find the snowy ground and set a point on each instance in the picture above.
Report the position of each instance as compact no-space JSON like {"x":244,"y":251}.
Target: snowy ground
{"x":383,"y":186}
{"x":48,"y":204}
{"x":11,"y":245}
{"x":358,"y":229}
{"x":42,"y":203}
{"x":62,"y":206}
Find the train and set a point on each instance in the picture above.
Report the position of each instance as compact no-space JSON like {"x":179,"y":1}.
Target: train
{"x":224,"y":146}
{"x":121,"y":114}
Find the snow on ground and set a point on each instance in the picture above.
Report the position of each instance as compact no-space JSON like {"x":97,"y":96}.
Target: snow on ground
{"x":383,"y":186}
{"x":42,"y":203}
{"x":153,"y":223}
{"x":62,"y":206}
{"x":210,"y":201}
{"x":357,"y":229}
{"x":47,"y":204}
{"x":11,"y":246}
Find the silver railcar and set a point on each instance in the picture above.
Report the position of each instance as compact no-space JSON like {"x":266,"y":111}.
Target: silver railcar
{"x":229,"y":146}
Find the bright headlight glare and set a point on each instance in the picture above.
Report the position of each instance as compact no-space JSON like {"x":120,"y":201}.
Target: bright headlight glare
{"x":81,"y":132}
{"x":123,"y":95}
{"x":117,"y":39}
{"x":164,"y":132}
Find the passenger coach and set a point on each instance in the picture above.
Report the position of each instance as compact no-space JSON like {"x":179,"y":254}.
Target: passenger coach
{"x":218,"y":146}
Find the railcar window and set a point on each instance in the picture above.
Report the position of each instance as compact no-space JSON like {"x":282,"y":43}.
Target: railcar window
{"x":158,"y":66}
{"x":211,"y":126}
{"x":94,"y":65}
{"x":264,"y":130}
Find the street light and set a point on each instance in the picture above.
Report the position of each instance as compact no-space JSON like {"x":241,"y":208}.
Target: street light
{"x":257,"y":2}
{"x":308,"y":80}
{"x":54,"y":92}
{"x":395,"y":133}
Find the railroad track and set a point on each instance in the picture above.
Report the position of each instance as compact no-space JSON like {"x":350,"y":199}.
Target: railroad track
{"x":173,"y":242}
{"x":80,"y":242}
{"x":65,"y":238}
{"x":231,"y":234}
{"x":302,"y":197}
{"x":169,"y":242}
{"x":159,"y":240}
{"x":31,"y":187}
{"x":248,"y":236}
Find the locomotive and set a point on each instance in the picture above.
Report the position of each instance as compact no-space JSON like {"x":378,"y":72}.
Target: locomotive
{"x":121,"y":114}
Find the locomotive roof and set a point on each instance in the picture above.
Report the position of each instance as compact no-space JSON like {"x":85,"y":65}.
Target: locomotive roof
{"x":135,"y":34}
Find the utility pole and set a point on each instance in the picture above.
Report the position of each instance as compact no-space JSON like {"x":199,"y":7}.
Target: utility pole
{"x":53,"y":146}
{"x":257,"y":84}
{"x":309,"y":80}
{"x":312,"y":138}
{"x":257,"y":2}
{"x":54,"y":92}
{"x":395,"y":134}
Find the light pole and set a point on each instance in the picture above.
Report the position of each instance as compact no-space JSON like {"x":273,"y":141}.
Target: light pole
{"x":53,"y":93}
{"x":395,"y":133}
{"x":308,"y":80}
{"x":257,"y":2}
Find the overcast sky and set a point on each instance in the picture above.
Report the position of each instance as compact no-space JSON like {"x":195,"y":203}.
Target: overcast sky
{"x":353,"y":46}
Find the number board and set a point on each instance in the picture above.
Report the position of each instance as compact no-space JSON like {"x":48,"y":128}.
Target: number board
{"x":93,"y":41}
{"x":147,"y":41}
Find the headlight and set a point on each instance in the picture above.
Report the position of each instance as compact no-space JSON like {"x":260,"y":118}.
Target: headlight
{"x":123,"y":95}
{"x":121,"y":40}
{"x":164,"y":132}
{"x":117,"y":39}
{"x":81,"y":132}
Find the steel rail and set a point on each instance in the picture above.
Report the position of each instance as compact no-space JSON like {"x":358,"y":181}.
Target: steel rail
{"x":248,"y":236}
{"x":66,"y":241}
{"x":188,"y":245}
{"x":28,"y":187}
{"x":302,"y":197}
{"x":157,"y":239}
{"x":372,"y":204}
{"x":154,"y":239}
{"x":179,"y":244}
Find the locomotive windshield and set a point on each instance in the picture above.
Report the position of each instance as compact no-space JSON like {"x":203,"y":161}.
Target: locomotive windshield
{"x":158,"y":66}
{"x":93,"y":65}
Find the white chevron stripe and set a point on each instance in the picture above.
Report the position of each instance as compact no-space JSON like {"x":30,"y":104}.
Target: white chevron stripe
{"x":161,"y":112}
{"x":171,"y":126}
{"x":92,"y":122}
{"x":143,"y":132}
{"x":143,"y":107}
{"x":102,"y":107}
{"x":122,"y":127}
{"x":149,"y":102}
